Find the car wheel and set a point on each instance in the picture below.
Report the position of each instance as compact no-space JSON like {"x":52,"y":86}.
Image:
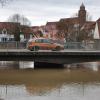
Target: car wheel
{"x":35,"y":48}
{"x":57,"y":48}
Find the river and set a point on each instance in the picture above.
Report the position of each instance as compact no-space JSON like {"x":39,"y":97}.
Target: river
{"x":74,"y":82}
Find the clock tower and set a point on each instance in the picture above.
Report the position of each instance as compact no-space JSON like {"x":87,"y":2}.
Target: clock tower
{"x":82,"y":15}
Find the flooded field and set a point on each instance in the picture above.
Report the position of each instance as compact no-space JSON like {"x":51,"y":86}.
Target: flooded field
{"x":74,"y":82}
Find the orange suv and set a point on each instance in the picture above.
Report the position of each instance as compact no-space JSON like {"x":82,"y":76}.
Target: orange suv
{"x":43,"y":44}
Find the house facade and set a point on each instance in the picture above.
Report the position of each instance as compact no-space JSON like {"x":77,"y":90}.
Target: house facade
{"x":97,"y":30}
{"x":76,"y":24}
{"x":11,"y":31}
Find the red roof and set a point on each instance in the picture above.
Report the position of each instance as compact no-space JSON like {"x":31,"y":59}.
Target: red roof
{"x":98,"y":22}
{"x":73,"y":20}
{"x":89,"y":25}
{"x":51,"y":23}
{"x":9,"y":26}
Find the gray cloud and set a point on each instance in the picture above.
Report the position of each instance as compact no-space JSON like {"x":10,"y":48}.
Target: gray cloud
{"x":40,"y":11}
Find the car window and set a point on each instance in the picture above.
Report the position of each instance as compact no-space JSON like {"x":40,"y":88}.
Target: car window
{"x":39,"y":41}
{"x":43,"y":41}
{"x":46,"y":41}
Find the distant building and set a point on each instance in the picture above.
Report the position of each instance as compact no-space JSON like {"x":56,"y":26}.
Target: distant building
{"x":26,"y":33}
{"x":51,"y":30}
{"x":79,"y":24}
{"x":8,"y":31}
{"x":11,"y":31}
{"x":97,"y":29}
{"x":36,"y":30}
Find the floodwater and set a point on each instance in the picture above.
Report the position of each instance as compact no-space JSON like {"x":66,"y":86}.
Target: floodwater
{"x":74,"y":82}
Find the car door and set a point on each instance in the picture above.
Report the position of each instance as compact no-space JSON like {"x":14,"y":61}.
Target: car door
{"x":39,"y":43}
{"x":43,"y":44}
{"x":51,"y":45}
{"x":46,"y":44}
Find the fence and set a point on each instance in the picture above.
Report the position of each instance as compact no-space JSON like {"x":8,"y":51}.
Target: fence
{"x":67,"y":45}
{"x":80,"y":45}
{"x":13,"y":45}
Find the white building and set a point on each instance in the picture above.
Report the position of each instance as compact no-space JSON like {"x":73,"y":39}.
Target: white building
{"x":4,"y":36}
{"x":96,"y":32}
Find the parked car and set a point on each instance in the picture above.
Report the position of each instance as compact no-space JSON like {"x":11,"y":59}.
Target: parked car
{"x":43,"y":44}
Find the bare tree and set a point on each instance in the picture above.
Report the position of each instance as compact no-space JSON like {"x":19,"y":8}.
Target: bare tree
{"x":65,"y":27}
{"x":3,"y":2}
{"x":88,"y":16}
{"x":19,"y":19}
{"x":22,"y":25}
{"x":74,"y":15}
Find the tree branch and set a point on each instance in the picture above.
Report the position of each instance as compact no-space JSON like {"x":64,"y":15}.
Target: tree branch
{"x":4,"y":2}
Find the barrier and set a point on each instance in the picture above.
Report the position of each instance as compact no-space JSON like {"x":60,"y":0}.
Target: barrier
{"x":13,"y":45}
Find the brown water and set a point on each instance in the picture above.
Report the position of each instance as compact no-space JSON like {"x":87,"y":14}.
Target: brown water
{"x":75,"y":82}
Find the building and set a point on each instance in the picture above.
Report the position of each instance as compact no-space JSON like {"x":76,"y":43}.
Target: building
{"x":51,"y":30}
{"x":26,"y":33}
{"x":76,"y":24}
{"x":8,"y":31}
{"x":78,"y":27}
{"x":11,"y":31}
{"x":97,"y":29}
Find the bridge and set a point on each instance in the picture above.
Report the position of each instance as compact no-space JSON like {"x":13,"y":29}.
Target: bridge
{"x":57,"y":57}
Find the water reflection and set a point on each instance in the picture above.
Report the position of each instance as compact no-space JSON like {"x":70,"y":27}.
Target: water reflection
{"x":95,"y":66}
{"x":72,"y":91}
{"x":8,"y":64}
{"x":16,"y":64}
{"x":75,"y":82}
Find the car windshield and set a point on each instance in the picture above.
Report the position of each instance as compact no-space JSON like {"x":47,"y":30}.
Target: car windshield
{"x":46,"y":41}
{"x":38,"y":40}
{"x":43,"y":41}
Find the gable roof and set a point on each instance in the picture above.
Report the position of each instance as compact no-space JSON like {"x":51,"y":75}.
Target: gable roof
{"x":74,"y":20}
{"x":97,"y":30}
{"x":98,"y":22}
{"x":89,"y":25}
{"x":51,"y":23}
{"x":9,"y":26}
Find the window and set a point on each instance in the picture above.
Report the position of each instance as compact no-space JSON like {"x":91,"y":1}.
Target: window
{"x":39,"y":41}
{"x":46,"y":41}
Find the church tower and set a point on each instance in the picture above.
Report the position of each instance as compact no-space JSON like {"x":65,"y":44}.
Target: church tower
{"x":82,"y":15}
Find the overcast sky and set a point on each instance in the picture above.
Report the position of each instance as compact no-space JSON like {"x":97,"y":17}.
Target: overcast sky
{"x":41,"y":11}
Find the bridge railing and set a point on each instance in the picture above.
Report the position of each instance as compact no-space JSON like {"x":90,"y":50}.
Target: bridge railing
{"x":80,"y":45}
{"x":13,"y":45}
{"x":67,"y":45}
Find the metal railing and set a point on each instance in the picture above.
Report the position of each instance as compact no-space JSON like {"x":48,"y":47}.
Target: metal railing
{"x":13,"y":45}
{"x":80,"y":45}
{"x":67,"y":45}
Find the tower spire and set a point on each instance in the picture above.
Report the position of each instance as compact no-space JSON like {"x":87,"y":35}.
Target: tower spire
{"x":82,"y":4}
{"x":82,"y":14}
{"x":82,"y":7}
